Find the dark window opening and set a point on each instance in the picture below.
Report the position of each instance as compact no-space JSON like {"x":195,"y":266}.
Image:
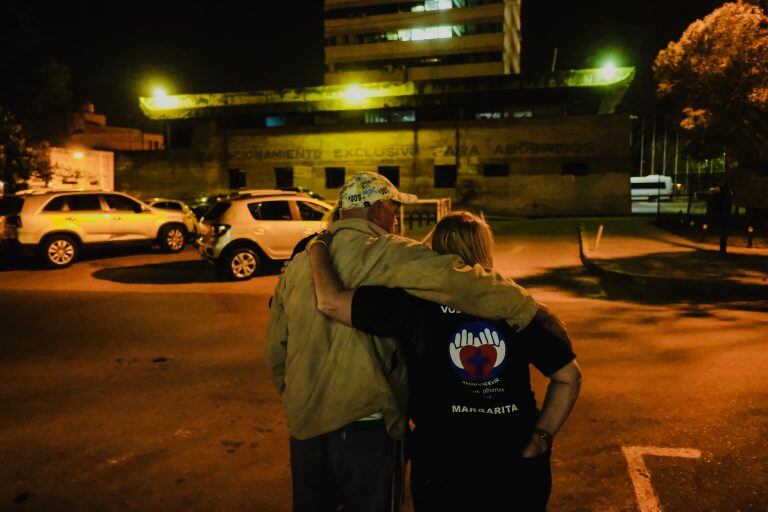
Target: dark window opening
{"x":576,"y":168}
{"x":660,"y":185}
{"x":283,"y":177}
{"x":495,"y":170}
{"x":236,"y":178}
{"x":334,"y":177}
{"x":445,"y":176}
{"x":391,"y":172}
{"x":181,"y":135}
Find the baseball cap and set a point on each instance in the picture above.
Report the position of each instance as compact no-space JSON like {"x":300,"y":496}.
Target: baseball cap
{"x":365,"y":188}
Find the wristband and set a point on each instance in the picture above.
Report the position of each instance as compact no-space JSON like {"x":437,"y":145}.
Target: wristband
{"x":314,"y":242}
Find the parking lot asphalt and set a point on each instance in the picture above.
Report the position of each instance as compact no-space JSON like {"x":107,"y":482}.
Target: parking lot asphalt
{"x":136,"y":381}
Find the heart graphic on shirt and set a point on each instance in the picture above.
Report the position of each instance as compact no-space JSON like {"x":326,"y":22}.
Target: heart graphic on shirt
{"x":478,"y":362}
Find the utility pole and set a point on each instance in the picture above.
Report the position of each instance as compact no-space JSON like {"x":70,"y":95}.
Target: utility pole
{"x":677,"y":154}
{"x":642,"y":145}
{"x":653,"y":146}
{"x":664,"y":154}
{"x":554,"y":60}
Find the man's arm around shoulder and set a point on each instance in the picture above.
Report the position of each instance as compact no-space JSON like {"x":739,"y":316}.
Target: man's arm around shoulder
{"x":444,"y":278}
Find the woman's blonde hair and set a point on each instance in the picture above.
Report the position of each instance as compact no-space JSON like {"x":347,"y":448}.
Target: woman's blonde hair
{"x":466,"y":235}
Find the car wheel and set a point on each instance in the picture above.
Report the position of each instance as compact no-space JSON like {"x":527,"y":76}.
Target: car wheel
{"x":173,"y":238}
{"x":242,"y":263}
{"x":59,"y":251}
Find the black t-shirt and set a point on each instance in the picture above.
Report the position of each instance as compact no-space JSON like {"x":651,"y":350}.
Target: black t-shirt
{"x":466,"y":374}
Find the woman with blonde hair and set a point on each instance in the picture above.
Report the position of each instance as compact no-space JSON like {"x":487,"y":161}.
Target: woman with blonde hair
{"x":478,"y":434}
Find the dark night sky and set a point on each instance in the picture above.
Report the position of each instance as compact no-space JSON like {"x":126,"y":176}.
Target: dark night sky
{"x":113,"y":48}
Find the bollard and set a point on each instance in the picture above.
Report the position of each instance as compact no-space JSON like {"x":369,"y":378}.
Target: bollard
{"x":750,"y":236}
{"x":703,"y":231}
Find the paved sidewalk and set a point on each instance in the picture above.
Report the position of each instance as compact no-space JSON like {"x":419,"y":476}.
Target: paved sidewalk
{"x":655,"y":254}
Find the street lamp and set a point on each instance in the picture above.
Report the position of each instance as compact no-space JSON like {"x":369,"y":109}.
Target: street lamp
{"x":608,"y":69}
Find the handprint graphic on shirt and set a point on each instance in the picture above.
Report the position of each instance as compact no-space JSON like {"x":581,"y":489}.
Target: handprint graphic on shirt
{"x":477,"y":351}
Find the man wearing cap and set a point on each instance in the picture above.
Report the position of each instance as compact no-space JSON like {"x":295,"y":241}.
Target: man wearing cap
{"x":344,"y":392}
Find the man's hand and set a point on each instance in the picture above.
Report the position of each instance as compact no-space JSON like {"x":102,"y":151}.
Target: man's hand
{"x":550,"y":322}
{"x":535,"y":447}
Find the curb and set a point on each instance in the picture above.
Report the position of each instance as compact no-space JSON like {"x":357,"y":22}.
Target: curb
{"x":726,"y":286}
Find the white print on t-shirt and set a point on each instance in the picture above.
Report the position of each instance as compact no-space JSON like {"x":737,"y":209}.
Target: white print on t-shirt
{"x":446,"y":309}
{"x":477,"y":351}
{"x":504,"y":409}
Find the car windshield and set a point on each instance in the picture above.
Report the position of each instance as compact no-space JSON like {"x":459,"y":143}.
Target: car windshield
{"x":217,"y":210}
{"x":11,"y":205}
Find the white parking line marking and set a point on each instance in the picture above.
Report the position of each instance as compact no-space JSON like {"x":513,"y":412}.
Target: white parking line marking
{"x":641,"y":477}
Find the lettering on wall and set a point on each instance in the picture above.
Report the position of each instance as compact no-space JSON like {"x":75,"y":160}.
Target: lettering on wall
{"x":410,"y":151}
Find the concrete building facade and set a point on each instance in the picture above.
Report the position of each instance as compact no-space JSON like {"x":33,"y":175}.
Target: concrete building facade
{"x":385,"y":40}
{"x":89,"y":130}
{"x":542,"y":145}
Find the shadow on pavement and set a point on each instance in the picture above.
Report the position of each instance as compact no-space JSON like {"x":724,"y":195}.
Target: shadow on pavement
{"x":651,"y":291}
{"x":172,"y":272}
{"x":28,"y":260}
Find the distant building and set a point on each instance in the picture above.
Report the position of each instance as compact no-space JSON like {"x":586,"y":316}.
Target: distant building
{"x":544,"y":144}
{"x":88,"y":130}
{"x":386,"y":40}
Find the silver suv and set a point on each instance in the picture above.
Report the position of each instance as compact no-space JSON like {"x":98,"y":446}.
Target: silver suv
{"x":60,"y":224}
{"x":240,"y":233}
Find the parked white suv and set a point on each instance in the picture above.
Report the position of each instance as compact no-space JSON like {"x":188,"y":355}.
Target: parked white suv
{"x":60,"y":224}
{"x":240,"y":233}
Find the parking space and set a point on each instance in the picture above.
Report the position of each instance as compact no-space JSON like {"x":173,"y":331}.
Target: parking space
{"x":135,"y":380}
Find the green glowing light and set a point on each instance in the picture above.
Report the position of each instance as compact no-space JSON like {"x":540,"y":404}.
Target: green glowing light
{"x":608,"y":69}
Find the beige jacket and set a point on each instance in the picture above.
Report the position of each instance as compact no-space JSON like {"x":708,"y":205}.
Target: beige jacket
{"x":331,"y":374}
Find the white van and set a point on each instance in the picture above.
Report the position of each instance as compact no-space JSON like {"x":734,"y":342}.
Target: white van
{"x":651,"y":187}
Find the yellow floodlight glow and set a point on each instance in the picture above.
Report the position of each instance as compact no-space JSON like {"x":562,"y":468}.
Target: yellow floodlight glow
{"x":162,"y":100}
{"x":78,"y":154}
{"x":354,"y":94}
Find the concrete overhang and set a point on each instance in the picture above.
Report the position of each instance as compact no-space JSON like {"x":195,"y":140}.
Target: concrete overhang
{"x":608,"y":86}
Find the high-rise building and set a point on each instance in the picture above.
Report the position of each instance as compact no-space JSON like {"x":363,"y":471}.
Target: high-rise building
{"x":387,"y":40}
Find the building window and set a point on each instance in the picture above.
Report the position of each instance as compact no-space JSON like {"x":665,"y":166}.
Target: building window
{"x":495,"y":170}
{"x":283,"y":177}
{"x":236,"y":178}
{"x":392,"y":173}
{"x":334,"y":177}
{"x":445,"y":176}
{"x":275,"y":121}
{"x":575,"y":168}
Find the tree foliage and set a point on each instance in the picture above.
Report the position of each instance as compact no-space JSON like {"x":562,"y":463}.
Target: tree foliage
{"x":35,"y":86}
{"x":18,"y":159}
{"x":717,"y":76}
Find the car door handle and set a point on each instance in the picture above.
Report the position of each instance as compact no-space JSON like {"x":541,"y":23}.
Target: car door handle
{"x":115,"y":218}
{"x":309,"y":231}
{"x":258,"y":231}
{"x":70,"y":218}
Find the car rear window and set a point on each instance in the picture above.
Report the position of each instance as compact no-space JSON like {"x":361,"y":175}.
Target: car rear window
{"x":217,"y":210}
{"x":311,"y":211}
{"x":83,"y":202}
{"x":11,"y":205}
{"x":171,"y":206}
{"x":271,"y":210}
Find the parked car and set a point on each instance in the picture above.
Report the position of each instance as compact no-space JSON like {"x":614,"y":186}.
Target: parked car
{"x":174,"y":205}
{"x":651,"y":187}
{"x":60,"y":224}
{"x":241,"y":233}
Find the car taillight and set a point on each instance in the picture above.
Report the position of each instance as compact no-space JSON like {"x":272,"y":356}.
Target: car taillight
{"x":219,"y":229}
